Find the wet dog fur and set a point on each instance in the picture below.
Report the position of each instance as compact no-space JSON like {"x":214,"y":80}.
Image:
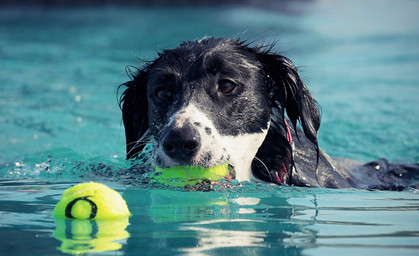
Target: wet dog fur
{"x":218,"y":100}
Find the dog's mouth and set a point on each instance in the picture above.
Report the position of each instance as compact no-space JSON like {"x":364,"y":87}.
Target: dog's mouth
{"x":210,"y":185}
{"x":231,"y":173}
{"x":195,"y":177}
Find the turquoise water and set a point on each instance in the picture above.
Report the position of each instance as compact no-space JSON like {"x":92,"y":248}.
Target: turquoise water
{"x":59,"y":120}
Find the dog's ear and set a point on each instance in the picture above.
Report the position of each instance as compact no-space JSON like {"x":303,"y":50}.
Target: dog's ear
{"x":134,"y":106}
{"x":292,"y":94}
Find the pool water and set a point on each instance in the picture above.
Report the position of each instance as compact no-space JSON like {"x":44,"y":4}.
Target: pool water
{"x":60,"y":122}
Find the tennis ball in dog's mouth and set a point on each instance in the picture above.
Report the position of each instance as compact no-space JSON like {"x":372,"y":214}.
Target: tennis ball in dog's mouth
{"x":189,"y":175}
{"x":88,"y":201}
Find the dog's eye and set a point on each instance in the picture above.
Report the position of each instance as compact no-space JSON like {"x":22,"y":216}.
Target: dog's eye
{"x":226,"y":86}
{"x":163,"y":94}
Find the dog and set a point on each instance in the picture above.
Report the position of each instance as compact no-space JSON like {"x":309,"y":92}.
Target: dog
{"x":219,"y":100}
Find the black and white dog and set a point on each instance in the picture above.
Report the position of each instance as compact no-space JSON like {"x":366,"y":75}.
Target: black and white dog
{"x":217,"y":101}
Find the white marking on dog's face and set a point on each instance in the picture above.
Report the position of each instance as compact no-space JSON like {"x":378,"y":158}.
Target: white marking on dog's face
{"x":215,"y":149}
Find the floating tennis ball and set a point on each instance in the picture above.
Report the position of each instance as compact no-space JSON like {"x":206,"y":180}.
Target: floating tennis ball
{"x":189,"y":175}
{"x":88,"y":201}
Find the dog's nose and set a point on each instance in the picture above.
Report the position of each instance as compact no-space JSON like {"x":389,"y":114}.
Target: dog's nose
{"x":181,"y":143}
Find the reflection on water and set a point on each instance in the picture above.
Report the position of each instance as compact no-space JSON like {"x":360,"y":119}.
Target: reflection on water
{"x":286,"y":221}
{"x":219,"y":222}
{"x":82,"y":236}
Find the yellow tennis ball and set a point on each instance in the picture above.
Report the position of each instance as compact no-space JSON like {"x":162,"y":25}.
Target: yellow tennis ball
{"x":189,"y":175}
{"x":91,"y":201}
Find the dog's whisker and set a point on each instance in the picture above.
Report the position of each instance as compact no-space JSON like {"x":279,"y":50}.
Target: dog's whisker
{"x":141,"y":141}
{"x":145,"y":138}
{"x":264,"y":165}
{"x":137,"y":145}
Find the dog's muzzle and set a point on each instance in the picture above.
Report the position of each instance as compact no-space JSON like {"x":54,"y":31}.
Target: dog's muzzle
{"x":182,"y":143}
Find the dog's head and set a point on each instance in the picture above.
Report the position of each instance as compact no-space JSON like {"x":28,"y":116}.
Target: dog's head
{"x":218,"y":101}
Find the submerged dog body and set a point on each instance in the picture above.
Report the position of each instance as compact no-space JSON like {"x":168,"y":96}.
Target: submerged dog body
{"x":217,"y":101}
